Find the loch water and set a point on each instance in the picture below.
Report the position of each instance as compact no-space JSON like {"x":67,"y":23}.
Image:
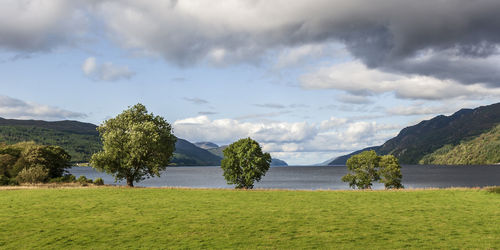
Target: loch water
{"x":314,"y":177}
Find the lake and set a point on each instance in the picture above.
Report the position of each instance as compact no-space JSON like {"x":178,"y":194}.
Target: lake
{"x":314,"y":177}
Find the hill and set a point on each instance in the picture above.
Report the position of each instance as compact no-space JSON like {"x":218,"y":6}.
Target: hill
{"x":188,"y":154}
{"x":413,"y":143}
{"x":81,"y":140}
{"x":216,"y":150}
{"x":484,"y":149}
{"x":206,"y":145}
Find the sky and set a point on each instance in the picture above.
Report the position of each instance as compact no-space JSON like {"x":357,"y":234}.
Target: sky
{"x":308,"y":79}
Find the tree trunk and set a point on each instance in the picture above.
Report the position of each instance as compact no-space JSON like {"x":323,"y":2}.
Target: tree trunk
{"x":130,"y":181}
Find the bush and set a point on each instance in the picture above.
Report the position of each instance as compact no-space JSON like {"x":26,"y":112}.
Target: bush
{"x":82,"y":179}
{"x":36,"y":174}
{"x":494,"y":189}
{"x":4,"y":180}
{"x":99,"y":182}
{"x":63,"y":179}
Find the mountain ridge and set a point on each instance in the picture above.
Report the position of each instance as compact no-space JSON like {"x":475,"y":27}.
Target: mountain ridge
{"x":414,"y":142}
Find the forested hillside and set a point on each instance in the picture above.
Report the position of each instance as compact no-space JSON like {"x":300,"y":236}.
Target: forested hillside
{"x":484,"y":149}
{"x":414,"y":142}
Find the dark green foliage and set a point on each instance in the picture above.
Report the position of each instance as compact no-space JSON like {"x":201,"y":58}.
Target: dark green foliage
{"x":79,"y":139}
{"x":363,"y":170}
{"x":28,"y":162}
{"x":342,"y":160}
{"x":4,"y":180}
{"x":390,"y":172}
{"x":84,"y":181}
{"x":32,"y":175}
{"x":367,"y":167}
{"x":136,"y":145}
{"x":244,"y":163}
{"x":484,"y":149}
{"x":99,"y":182}
{"x":68,"y":178}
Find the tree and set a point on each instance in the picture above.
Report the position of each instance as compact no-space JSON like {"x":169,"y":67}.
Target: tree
{"x":33,"y":163}
{"x":367,"y":167}
{"x":244,"y":162}
{"x":136,"y":145}
{"x":364,"y":170}
{"x":390,"y":172}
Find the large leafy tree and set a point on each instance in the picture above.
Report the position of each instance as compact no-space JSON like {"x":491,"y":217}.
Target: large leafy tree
{"x":136,"y":145}
{"x":390,"y":172}
{"x":244,"y":163}
{"x":363,"y":170}
{"x":367,"y":166}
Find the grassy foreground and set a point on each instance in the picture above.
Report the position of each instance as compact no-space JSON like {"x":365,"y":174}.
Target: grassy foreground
{"x":179,"y":218}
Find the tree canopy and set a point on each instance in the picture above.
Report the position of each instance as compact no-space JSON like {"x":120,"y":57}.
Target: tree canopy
{"x":244,"y":163}
{"x":367,"y":166}
{"x":33,"y":163}
{"x":136,"y":145}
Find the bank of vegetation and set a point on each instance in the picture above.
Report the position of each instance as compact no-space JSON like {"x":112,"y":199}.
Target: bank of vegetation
{"x":484,"y":149}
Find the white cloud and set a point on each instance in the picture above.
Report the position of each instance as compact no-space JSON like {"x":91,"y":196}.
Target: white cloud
{"x":106,"y":71}
{"x":40,"y":25}
{"x":356,"y":79}
{"x":17,"y":109}
{"x":293,"y":56}
{"x":333,"y":135}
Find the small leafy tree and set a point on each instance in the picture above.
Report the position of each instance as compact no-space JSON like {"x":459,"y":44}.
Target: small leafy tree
{"x":136,"y":145}
{"x":367,"y":167}
{"x":390,"y":172}
{"x":244,"y":163}
{"x":363,"y":168}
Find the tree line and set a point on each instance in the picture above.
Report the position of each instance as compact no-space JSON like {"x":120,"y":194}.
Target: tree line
{"x":139,"y":145}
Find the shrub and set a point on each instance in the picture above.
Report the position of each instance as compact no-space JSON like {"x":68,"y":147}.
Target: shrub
{"x":99,"y":182}
{"x":82,"y":179}
{"x":36,"y":174}
{"x":4,"y":180}
{"x":494,"y":189}
{"x":69,"y":178}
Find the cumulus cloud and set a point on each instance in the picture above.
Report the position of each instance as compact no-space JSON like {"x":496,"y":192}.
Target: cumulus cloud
{"x":408,"y":37}
{"x":105,"y":71}
{"x":332,"y":135}
{"x":454,"y":40}
{"x":359,"y":80}
{"x":295,"y":55}
{"x":17,"y":109}
{"x":41,"y":25}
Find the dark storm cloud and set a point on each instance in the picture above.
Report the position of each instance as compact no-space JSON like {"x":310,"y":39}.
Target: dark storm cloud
{"x":446,"y":39}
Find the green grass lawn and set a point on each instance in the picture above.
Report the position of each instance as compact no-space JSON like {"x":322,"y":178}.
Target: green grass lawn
{"x":176,"y":218}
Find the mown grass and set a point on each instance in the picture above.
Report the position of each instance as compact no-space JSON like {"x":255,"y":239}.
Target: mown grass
{"x":178,"y":218}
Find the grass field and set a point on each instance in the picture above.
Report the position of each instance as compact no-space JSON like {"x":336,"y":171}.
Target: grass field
{"x":180,"y":218}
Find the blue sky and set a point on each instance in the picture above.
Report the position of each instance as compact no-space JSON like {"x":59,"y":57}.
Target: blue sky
{"x":310,"y":80}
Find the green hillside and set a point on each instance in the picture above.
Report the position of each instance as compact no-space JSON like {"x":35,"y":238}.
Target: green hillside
{"x":81,"y":140}
{"x":188,"y":154}
{"x":484,"y":149}
{"x":414,"y":142}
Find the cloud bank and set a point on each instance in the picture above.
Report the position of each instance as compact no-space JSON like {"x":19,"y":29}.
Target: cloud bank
{"x":454,"y":40}
{"x":17,"y":109}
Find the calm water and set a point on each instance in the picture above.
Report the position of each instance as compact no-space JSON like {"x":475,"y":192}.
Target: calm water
{"x":314,"y":177}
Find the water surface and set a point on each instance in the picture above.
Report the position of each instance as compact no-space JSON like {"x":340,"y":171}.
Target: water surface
{"x":314,"y":177}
